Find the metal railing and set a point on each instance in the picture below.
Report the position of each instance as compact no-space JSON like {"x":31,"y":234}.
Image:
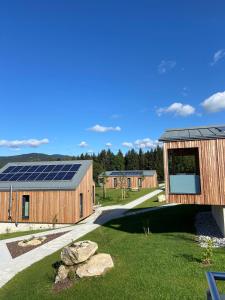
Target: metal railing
{"x":213,"y":293}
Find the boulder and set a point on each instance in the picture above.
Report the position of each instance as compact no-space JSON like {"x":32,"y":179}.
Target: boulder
{"x":32,"y":242}
{"x":162,"y":198}
{"x":62,"y":273}
{"x":97,"y":265}
{"x":78,"y":252}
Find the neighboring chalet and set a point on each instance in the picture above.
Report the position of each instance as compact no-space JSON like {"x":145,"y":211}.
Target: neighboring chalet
{"x":194,"y":165}
{"x":56,"y":192}
{"x":130,"y":179}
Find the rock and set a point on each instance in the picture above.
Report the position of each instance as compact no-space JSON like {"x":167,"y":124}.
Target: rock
{"x":162,"y":198}
{"x":62,"y":273}
{"x":32,"y":242}
{"x":78,"y":252}
{"x":95,"y":266}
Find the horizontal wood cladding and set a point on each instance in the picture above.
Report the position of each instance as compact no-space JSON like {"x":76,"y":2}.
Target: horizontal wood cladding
{"x":49,"y":206}
{"x":147,"y":182}
{"x":212,"y":172}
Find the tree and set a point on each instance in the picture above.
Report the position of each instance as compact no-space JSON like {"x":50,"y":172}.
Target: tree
{"x":103,"y":180}
{"x":122,"y":180}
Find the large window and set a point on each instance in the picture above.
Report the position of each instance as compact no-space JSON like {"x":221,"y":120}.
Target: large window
{"x":25,"y":206}
{"x":128,"y":183}
{"x":183,"y":161}
{"x":140,"y":182}
{"x":81,"y":205}
{"x":184,"y":172}
{"x":115,"y":182}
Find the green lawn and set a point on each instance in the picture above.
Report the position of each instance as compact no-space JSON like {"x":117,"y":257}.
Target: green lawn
{"x":114,"y":196}
{"x":163,"y":265}
{"x":151,"y":202}
{"x":10,"y":235}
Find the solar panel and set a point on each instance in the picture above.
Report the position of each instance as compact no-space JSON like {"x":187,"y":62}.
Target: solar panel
{"x":66,"y":168}
{"x":69,"y":175}
{"x":126,"y":173}
{"x":58,"y":168}
{"x":9,"y":169}
{"x":59,"y":176}
{"x":40,"y":172}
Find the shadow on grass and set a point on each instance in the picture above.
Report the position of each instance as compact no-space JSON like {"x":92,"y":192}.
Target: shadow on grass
{"x":178,"y":218}
{"x":191,"y":258}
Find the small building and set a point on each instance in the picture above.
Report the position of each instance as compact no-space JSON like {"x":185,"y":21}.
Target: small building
{"x":194,"y":166}
{"x":130,"y":179}
{"x":56,"y":192}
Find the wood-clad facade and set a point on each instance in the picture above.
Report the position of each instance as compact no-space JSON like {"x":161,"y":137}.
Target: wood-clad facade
{"x":130,"y":179}
{"x":46,"y":206}
{"x":211,"y":162}
{"x":146,"y":182}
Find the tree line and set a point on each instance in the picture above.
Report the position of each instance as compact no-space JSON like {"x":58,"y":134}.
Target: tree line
{"x":106,"y":160}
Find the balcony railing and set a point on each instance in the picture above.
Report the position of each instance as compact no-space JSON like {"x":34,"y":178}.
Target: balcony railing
{"x":185,"y":184}
{"x":213,"y":293}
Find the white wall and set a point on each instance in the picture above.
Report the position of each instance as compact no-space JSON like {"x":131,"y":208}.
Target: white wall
{"x":11,"y":227}
{"x":218,"y":213}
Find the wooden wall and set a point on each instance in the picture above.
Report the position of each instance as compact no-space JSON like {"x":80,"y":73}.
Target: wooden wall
{"x":148,"y":182}
{"x":212,"y":172}
{"x":47,"y":205}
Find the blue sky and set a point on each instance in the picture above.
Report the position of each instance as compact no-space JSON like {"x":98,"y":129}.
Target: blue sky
{"x":77,"y":75}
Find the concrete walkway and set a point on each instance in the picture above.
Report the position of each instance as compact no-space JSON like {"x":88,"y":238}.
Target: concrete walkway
{"x":10,"y":267}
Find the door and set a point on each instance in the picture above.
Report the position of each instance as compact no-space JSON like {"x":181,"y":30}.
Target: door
{"x":81,"y":206}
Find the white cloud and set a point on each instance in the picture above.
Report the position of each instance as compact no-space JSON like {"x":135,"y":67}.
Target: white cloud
{"x":178,"y":109}
{"x":146,"y":143}
{"x":83,"y":144}
{"x":165,"y":66}
{"x":214,"y":103}
{"x":99,"y":128}
{"x":220,"y":54}
{"x":108,"y":145}
{"x":16,"y":144}
{"x":127,"y":144}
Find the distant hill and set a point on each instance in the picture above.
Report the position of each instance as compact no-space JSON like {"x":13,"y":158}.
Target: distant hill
{"x":33,"y":157}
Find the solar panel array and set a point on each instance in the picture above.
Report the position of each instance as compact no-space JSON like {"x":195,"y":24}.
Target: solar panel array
{"x":126,"y":173}
{"x":40,"y":172}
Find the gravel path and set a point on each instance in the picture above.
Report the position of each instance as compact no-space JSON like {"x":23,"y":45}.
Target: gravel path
{"x":206,"y":228}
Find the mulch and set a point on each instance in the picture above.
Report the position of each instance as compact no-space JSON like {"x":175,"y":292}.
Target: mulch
{"x":16,"y":250}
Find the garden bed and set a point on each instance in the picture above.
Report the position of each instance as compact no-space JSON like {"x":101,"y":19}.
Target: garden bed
{"x":16,"y":250}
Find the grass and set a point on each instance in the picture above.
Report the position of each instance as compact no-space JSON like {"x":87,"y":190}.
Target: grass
{"x":163,"y":265}
{"x":152,"y":202}
{"x":10,"y":235}
{"x":114,"y":196}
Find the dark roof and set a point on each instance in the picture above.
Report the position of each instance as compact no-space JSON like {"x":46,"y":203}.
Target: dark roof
{"x":194,"y":133}
{"x":44,"y":184}
{"x":129,"y":173}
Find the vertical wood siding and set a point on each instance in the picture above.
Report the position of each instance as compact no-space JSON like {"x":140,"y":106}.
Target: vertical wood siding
{"x":148,"y":182}
{"x":45,"y":206}
{"x":212,"y":172}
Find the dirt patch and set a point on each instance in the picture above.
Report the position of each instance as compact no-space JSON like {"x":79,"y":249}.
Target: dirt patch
{"x":16,"y":250}
{"x":62,"y":285}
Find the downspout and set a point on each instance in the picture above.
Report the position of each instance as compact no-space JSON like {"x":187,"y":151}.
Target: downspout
{"x":10,"y":204}
{"x":16,"y":214}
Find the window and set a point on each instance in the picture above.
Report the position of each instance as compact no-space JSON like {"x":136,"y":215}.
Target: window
{"x":139,"y":182}
{"x":184,"y":171}
{"x":81,"y":206}
{"x":128,"y":183}
{"x":183,"y":161}
{"x":115,"y":182}
{"x":93,"y":194}
{"x":25,"y":206}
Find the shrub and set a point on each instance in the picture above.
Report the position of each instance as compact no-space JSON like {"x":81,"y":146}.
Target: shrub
{"x":208,"y":252}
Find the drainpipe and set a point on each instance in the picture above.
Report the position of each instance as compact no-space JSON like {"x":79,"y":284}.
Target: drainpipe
{"x":10,"y":204}
{"x":16,"y":214}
